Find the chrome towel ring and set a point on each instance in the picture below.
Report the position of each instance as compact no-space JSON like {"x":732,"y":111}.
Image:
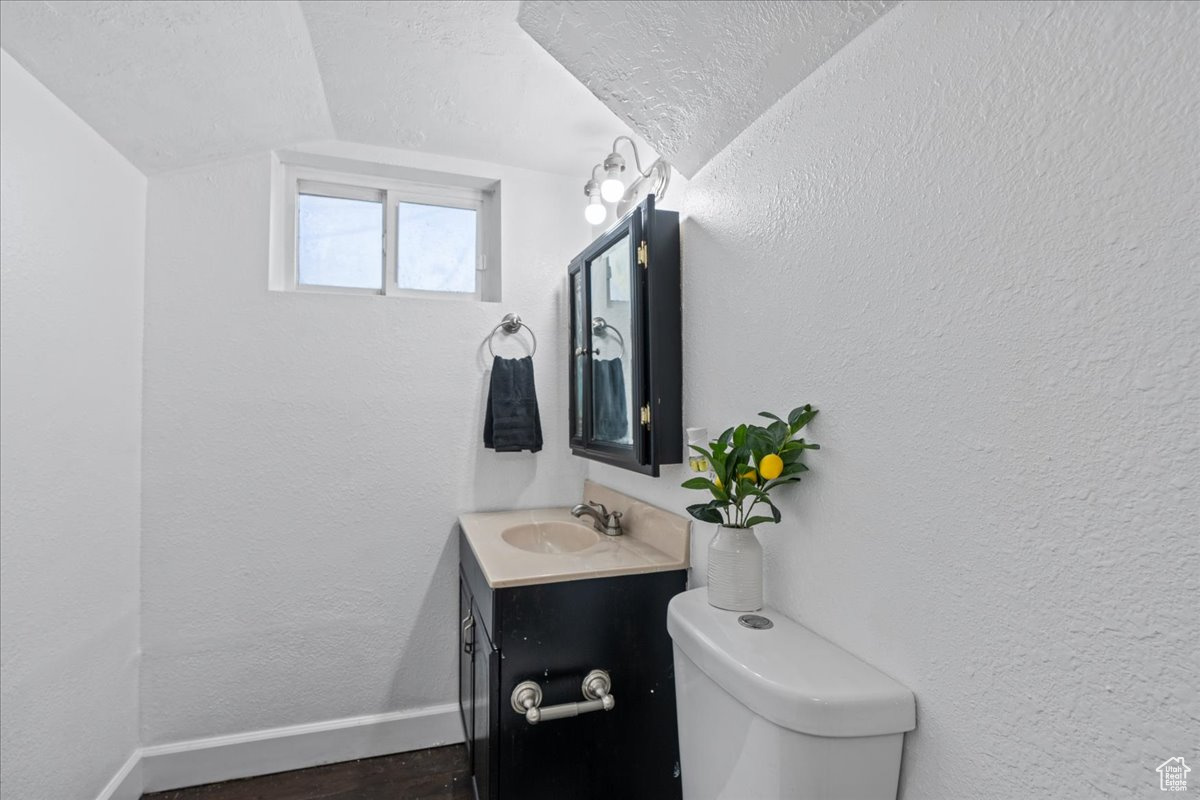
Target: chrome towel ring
{"x":510,"y":324}
{"x":602,"y":329}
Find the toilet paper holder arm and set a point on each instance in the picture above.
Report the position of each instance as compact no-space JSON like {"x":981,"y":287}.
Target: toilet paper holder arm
{"x":597,"y":685}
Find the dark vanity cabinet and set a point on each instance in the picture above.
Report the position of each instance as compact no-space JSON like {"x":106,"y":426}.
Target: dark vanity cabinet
{"x":555,"y":634}
{"x":625,"y":346}
{"x":476,"y":662}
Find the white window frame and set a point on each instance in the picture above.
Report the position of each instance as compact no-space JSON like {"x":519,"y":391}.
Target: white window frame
{"x":390,"y":191}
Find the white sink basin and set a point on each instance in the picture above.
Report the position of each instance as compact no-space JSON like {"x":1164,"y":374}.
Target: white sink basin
{"x":549,"y":537}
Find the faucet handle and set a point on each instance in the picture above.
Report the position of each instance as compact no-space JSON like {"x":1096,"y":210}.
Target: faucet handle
{"x":600,"y":506}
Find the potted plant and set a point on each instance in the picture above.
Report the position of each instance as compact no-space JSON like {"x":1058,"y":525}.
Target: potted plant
{"x":747,"y":464}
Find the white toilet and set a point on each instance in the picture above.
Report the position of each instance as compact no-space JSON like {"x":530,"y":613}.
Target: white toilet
{"x":778,"y":712}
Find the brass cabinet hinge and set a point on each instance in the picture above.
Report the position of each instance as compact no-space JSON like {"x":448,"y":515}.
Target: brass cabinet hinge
{"x":643,"y":256}
{"x":646,"y":415}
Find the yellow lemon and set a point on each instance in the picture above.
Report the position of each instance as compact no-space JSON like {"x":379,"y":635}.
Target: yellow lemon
{"x":717,"y":481}
{"x":749,"y":475}
{"x":771,"y":466}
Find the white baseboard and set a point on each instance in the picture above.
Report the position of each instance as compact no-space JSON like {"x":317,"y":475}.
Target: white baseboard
{"x":242,"y":755}
{"x":127,"y":783}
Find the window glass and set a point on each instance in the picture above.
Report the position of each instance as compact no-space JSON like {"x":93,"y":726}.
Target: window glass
{"x":339,"y":242}
{"x":435,"y":248}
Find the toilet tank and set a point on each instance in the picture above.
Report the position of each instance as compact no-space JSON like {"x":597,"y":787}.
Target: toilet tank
{"x":779,"y":712}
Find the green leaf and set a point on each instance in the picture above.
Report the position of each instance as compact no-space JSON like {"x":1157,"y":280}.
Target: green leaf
{"x":760,"y":442}
{"x":736,"y":455}
{"x":779,"y":433}
{"x":757,"y":520}
{"x":705,"y":513}
{"x":723,"y":439}
{"x":769,"y":415}
{"x":705,"y":483}
{"x":739,"y":436}
{"x":799,"y":417}
{"x":718,"y":459}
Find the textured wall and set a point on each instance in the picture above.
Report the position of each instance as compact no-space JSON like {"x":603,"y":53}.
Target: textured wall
{"x":306,"y":455}
{"x":973,"y":240}
{"x":70,"y":418}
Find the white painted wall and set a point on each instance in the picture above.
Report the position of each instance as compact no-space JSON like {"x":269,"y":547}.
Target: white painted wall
{"x":306,"y":456}
{"x":73,"y":219}
{"x":973,"y":240}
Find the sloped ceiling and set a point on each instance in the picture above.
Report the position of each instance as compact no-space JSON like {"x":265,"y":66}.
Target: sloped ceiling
{"x":172,"y":84}
{"x":175,"y":83}
{"x":690,"y":76}
{"x":459,"y":78}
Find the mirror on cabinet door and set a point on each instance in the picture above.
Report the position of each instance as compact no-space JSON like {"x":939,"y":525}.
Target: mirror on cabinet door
{"x":625,"y":343}
{"x":612,"y":374}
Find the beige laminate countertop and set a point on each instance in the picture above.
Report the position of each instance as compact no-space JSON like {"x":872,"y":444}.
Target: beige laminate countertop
{"x":654,"y":541}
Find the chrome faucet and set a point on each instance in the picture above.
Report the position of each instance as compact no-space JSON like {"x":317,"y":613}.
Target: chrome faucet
{"x":606,"y":522}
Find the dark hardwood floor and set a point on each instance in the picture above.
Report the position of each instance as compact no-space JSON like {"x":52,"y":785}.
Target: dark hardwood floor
{"x":439,"y":773}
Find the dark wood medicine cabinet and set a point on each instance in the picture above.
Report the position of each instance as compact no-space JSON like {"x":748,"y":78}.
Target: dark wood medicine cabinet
{"x":626,"y":348}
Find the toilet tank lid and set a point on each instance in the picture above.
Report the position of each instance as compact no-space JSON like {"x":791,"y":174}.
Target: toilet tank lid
{"x":788,"y":674}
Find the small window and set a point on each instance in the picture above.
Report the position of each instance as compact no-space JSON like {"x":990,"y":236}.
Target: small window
{"x":382,"y":234}
{"x":339,"y":239}
{"x":437,"y":247}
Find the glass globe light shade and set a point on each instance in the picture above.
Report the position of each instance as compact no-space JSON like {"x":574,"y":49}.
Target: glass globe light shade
{"x":595,"y":213}
{"x":612,"y":189}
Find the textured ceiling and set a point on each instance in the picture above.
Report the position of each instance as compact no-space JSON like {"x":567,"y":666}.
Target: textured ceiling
{"x":691,"y":76}
{"x":172,"y":84}
{"x":178,"y":83}
{"x":458,"y":78}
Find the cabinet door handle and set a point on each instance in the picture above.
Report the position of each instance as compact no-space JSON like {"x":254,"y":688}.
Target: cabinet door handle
{"x":468,"y":634}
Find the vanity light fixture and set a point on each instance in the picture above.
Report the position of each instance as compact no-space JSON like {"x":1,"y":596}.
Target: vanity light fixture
{"x":613,"y":189}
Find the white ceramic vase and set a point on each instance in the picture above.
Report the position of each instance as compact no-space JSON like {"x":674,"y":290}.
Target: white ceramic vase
{"x":735,"y":570}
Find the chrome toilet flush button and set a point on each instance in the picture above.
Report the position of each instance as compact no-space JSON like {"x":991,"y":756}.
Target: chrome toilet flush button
{"x":758,"y":623}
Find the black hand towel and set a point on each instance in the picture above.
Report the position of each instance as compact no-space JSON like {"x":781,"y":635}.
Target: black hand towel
{"x":512,"y":421}
{"x":610,"y":417}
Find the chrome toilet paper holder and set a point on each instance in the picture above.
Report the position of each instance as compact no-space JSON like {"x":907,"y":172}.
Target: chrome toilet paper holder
{"x":597,"y":688}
